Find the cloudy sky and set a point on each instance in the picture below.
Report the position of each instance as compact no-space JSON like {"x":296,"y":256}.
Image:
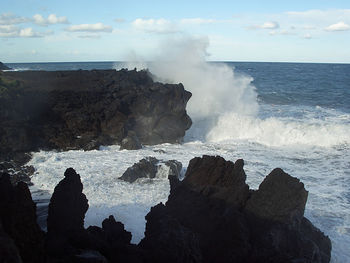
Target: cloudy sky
{"x":106,"y":30}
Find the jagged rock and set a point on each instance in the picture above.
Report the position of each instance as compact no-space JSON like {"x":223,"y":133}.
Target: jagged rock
{"x":217,"y":178}
{"x":4,"y":67}
{"x":85,"y":109}
{"x":280,"y":197}
{"x":213,"y":203}
{"x":130,"y":142}
{"x":113,"y":241}
{"x":18,"y":217}
{"x":65,"y":221}
{"x":145,"y":168}
{"x":150,"y":167}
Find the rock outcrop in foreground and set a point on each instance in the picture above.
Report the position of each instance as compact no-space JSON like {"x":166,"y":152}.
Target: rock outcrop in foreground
{"x":210,"y":216}
{"x":85,"y":109}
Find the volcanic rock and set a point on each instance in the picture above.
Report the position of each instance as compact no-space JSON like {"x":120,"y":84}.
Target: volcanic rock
{"x":214,"y":206}
{"x":65,"y":221}
{"x":18,"y":219}
{"x":150,"y":167}
{"x":85,"y":109}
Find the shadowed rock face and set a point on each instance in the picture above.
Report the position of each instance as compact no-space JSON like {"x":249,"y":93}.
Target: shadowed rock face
{"x":85,"y":109}
{"x":18,"y":223}
{"x":231,"y":223}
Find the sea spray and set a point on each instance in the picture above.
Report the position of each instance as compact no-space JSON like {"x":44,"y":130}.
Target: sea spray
{"x":216,"y":88}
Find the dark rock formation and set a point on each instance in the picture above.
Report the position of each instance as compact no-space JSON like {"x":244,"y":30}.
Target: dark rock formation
{"x":3,"y":66}
{"x":86,"y":109}
{"x":149,"y":167}
{"x":232,"y":224}
{"x":67,"y":239}
{"x":168,"y":240}
{"x":18,"y":220}
{"x":65,"y":221}
{"x":210,"y":216}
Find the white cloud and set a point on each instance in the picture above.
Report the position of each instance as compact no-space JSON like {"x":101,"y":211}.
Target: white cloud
{"x":307,"y":36}
{"x":11,"y":19}
{"x":8,"y":31}
{"x":266,"y":25}
{"x":270,"y":25}
{"x":160,"y":26}
{"x":197,"y":21}
{"x":98,"y":27}
{"x":50,"y":20}
{"x":341,"y":26}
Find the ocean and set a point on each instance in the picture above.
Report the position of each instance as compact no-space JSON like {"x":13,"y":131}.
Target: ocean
{"x":295,"y":116}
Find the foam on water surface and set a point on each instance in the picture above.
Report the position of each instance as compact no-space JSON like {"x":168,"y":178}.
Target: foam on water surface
{"x":324,"y":171}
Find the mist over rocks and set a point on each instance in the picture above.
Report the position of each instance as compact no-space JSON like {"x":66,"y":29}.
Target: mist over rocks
{"x":81,"y":109}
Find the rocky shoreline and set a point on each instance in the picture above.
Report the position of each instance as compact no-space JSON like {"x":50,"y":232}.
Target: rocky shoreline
{"x":211,"y":215}
{"x":65,"y":110}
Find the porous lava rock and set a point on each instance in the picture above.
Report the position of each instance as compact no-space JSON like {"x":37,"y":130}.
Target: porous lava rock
{"x":86,"y":109}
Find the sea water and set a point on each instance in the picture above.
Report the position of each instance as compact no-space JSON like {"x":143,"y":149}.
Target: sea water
{"x":288,"y":115}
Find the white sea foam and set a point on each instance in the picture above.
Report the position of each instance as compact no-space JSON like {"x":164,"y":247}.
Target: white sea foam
{"x":324,"y":171}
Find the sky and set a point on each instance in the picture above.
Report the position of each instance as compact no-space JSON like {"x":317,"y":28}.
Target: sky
{"x":106,"y":30}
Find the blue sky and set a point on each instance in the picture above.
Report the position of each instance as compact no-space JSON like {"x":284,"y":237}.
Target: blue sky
{"x":76,"y":30}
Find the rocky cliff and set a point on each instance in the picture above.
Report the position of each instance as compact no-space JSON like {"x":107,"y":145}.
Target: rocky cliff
{"x":84,"y":109}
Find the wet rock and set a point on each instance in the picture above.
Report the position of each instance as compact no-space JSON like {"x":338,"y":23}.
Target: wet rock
{"x":151,"y":167}
{"x":18,"y":217}
{"x":145,"y":168}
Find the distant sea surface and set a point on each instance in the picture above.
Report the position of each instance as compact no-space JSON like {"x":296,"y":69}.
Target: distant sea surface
{"x":302,"y":125}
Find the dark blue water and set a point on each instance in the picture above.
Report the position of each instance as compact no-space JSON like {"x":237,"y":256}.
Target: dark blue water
{"x":324,"y":85}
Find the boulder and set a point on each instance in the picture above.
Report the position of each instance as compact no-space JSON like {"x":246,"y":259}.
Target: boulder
{"x":280,"y":197}
{"x":150,"y":167}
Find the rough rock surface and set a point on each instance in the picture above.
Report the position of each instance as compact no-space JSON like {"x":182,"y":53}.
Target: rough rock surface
{"x":18,"y":220}
{"x":86,"y":109}
{"x":130,"y":142}
{"x":233,"y":224}
{"x":149,"y":167}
